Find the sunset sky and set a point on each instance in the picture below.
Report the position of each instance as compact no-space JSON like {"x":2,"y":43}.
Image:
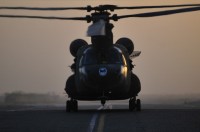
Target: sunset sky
{"x":34,"y":55}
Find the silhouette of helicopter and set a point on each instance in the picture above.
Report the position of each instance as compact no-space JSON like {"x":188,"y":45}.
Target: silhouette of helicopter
{"x":103,"y":69}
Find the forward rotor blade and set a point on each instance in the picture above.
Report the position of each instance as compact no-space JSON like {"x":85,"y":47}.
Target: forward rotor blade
{"x":161,"y":13}
{"x":134,"y":54}
{"x":105,"y":7}
{"x":149,"y":7}
{"x":44,"y":8}
{"x":44,"y":17}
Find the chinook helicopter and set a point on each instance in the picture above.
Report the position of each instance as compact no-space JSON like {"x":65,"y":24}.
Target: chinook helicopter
{"x":102,"y":70}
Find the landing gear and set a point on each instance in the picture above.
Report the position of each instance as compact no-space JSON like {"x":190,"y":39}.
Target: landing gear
{"x":71,"y":105}
{"x":138,"y":105}
{"x":103,"y":101}
{"x":134,"y":104}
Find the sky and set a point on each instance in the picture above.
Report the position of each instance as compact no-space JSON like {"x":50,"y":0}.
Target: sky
{"x":35,"y":57}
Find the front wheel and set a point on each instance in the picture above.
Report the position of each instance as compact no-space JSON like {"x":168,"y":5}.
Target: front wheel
{"x":132,"y":104}
{"x":71,"y":105}
{"x":138,"y":105}
{"x":68,"y":106}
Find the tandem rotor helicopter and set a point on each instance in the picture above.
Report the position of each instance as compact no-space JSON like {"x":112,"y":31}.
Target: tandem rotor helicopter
{"x":102,"y":70}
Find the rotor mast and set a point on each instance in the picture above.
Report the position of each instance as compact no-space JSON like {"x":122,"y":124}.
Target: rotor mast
{"x":102,"y":38}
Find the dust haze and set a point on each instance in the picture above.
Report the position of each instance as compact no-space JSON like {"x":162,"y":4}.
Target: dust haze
{"x":34,"y":55}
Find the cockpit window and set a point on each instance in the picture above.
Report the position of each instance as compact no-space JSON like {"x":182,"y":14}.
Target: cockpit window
{"x":112,"y":56}
{"x":90,"y":57}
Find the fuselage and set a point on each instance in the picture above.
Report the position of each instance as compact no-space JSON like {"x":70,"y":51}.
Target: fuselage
{"x":102,"y":74}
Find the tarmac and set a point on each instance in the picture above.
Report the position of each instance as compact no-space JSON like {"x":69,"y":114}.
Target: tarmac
{"x":93,"y":117}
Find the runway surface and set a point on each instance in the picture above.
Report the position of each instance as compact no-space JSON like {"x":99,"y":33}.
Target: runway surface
{"x":95,"y":118}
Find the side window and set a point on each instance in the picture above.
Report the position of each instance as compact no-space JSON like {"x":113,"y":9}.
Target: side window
{"x":115,"y":56}
{"x":89,"y":57}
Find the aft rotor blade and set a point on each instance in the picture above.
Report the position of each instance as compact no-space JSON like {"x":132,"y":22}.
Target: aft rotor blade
{"x":161,"y":13}
{"x":44,"y":8}
{"x":150,"y":7}
{"x":134,"y":54}
{"x":44,"y":17}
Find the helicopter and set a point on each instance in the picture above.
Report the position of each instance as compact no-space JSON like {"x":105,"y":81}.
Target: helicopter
{"x":102,"y":70}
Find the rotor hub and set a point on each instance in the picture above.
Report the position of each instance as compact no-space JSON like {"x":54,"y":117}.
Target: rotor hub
{"x":101,"y":8}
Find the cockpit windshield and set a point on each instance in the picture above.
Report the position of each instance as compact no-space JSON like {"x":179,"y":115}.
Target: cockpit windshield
{"x":112,"y":56}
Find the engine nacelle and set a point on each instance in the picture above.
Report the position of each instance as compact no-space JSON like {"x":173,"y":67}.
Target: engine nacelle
{"x":75,"y":45}
{"x":127,"y":43}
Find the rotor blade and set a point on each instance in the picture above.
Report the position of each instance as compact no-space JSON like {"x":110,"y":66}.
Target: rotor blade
{"x":44,"y":17}
{"x":162,"y":6}
{"x":134,"y":54}
{"x":161,"y":13}
{"x":89,"y":8}
{"x":44,"y":8}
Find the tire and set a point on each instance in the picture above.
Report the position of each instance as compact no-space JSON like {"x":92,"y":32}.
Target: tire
{"x":75,"y":105}
{"x":68,"y":106}
{"x":131,"y":104}
{"x":71,"y":105}
{"x":138,"y":105}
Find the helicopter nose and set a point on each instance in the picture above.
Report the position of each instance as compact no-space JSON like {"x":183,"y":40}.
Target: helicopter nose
{"x":103,"y":76}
